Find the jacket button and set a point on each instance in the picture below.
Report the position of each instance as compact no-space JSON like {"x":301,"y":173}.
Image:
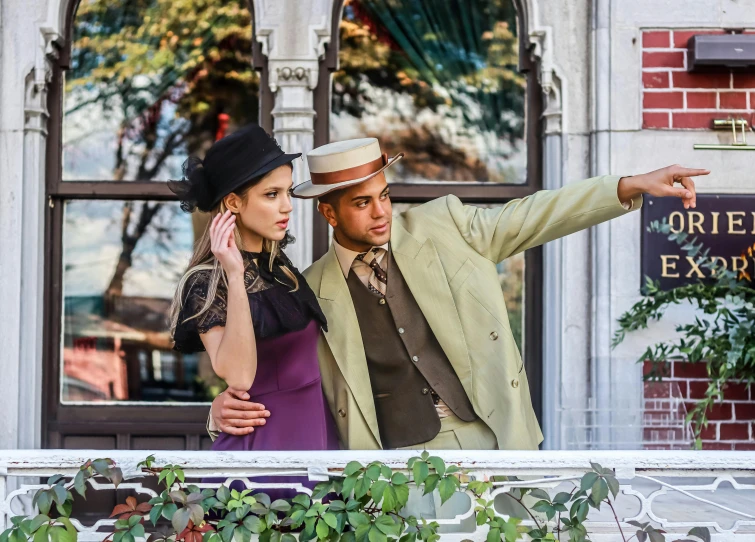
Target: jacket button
{"x":493,"y":336}
{"x":401,"y":330}
{"x":382,"y":301}
{"x":342,"y":413}
{"x":515,"y":383}
{"x":425,"y":391}
{"x":415,"y":359}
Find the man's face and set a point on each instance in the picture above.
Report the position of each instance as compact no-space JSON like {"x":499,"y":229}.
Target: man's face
{"x":361,"y":215}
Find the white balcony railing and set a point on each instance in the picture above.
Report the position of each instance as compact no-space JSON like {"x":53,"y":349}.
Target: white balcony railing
{"x":675,"y":491}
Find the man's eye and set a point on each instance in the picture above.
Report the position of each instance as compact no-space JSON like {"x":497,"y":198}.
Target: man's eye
{"x":362,"y":204}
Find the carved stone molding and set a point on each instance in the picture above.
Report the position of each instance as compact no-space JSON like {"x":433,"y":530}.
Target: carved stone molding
{"x":542,"y":40}
{"x":38,"y":81}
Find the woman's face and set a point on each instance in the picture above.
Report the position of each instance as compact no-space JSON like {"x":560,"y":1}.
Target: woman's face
{"x":263,"y":212}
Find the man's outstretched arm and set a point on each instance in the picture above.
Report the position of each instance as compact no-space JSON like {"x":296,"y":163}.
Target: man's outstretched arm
{"x":500,"y":232}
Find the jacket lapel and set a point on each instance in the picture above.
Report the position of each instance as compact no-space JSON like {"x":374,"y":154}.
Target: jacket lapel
{"x":423,"y":272}
{"x":345,"y":338}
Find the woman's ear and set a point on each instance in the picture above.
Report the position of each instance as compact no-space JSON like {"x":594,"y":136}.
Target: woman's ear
{"x":233,"y":203}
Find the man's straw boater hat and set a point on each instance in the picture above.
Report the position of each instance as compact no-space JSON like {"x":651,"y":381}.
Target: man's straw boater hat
{"x":342,"y":164}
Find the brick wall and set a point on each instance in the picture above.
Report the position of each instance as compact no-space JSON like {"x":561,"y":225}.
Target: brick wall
{"x":675,"y":99}
{"x":732,"y":421}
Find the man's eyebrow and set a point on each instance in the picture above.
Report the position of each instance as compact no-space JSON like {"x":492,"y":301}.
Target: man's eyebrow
{"x":361,"y":197}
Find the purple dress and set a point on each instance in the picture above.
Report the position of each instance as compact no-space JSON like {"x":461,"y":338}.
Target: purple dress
{"x":286,"y":325}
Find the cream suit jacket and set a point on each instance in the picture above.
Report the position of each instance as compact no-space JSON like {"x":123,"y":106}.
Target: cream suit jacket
{"x":447,"y":252}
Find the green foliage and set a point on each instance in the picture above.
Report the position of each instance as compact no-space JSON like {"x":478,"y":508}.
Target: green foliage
{"x":371,"y":508}
{"x":723,"y":338}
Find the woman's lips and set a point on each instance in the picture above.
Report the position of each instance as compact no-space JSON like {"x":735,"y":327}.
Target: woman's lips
{"x":282,"y":223}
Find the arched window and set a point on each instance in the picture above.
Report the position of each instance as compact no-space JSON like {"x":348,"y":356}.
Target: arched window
{"x":449,"y":83}
{"x":142,"y":85}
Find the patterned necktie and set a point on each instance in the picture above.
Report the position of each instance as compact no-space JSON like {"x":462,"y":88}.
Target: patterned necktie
{"x":378,"y":280}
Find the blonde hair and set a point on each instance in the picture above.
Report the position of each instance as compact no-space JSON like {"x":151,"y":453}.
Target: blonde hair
{"x":202,"y":259}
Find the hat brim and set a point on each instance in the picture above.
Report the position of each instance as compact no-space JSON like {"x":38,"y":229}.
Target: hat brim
{"x":308,"y":190}
{"x":281,"y":160}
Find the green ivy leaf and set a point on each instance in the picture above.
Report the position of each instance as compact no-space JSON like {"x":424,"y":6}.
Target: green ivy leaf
{"x":302,"y":499}
{"x":331,"y":520}
{"x":348,"y":485}
{"x":362,"y":487}
{"x":373,"y":472}
{"x":438,"y":465}
{"x":588,"y":480}
{"x":358,"y":519}
{"x":280,"y":505}
{"x":703,"y":533}
{"x":494,"y":535}
{"x":431,"y":483}
{"x":599,"y":491}
{"x":613,"y":485}
{"x":322,"y":529}
{"x":447,"y":488}
{"x":180,"y":519}
{"x":390,"y":499}
{"x":352,"y":468}
{"x":399,"y":479}
{"x":377,"y":489}
{"x":420,"y":472}
{"x":376,"y":536}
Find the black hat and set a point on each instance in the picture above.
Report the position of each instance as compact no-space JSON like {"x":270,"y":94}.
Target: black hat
{"x":246,"y":154}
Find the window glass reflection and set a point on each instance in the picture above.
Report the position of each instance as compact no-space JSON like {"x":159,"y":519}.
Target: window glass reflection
{"x":152,"y":81}
{"x":438,"y":80}
{"x":118,"y":279}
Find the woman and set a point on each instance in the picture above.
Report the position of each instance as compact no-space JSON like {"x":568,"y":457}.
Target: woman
{"x":243,"y":301}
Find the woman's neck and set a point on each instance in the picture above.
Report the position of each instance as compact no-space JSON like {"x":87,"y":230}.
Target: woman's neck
{"x":251,"y":241}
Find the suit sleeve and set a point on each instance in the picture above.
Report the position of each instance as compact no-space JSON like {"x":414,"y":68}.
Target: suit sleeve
{"x":500,"y":232}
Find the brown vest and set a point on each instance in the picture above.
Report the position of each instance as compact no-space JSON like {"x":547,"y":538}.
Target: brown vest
{"x":404,"y":360}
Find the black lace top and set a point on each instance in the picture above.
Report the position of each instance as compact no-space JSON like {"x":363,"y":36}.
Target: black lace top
{"x":276,"y":310}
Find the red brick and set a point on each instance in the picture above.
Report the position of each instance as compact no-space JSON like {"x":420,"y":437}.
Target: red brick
{"x":744,"y":80}
{"x":714,"y":445}
{"x":734,"y":431}
{"x":681,"y":37}
{"x":736,"y":392}
{"x":655,"y":79}
{"x":659,"y":38}
{"x":701,"y":100}
{"x":701,"y":80}
{"x":662,"y":369}
{"x":663,"y":59}
{"x":686,"y":369}
{"x":745,"y":411}
{"x":744,"y":446}
{"x":710,"y":432}
{"x":655,"y":120}
{"x":662,"y":100}
{"x":733,"y":100}
{"x":718,"y":411}
{"x":697,"y":389}
{"x":655,"y":390}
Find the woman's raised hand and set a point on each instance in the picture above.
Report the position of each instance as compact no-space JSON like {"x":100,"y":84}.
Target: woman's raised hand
{"x":223,"y":243}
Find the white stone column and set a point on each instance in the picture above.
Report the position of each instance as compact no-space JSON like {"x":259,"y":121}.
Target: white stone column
{"x":293,"y":34}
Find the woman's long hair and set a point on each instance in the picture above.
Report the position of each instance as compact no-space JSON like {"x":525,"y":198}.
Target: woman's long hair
{"x":202,"y":259}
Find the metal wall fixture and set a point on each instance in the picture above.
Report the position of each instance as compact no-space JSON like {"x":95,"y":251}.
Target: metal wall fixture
{"x":735,"y":125}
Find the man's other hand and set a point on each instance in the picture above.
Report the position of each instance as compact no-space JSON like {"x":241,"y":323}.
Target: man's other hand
{"x":661,"y":183}
{"x":232,"y":413}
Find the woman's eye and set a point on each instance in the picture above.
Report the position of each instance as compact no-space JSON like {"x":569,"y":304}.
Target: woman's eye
{"x":271,"y":194}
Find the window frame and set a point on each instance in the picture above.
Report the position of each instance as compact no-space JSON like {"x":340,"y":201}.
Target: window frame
{"x":125,"y":420}
{"x":479,"y":193}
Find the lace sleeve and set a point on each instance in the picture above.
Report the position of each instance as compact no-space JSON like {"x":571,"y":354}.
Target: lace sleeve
{"x":190,"y":322}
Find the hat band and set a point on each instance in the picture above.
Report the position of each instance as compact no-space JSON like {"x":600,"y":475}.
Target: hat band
{"x":343,"y":175}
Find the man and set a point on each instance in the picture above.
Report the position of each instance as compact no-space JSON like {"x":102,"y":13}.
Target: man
{"x":419,"y":352}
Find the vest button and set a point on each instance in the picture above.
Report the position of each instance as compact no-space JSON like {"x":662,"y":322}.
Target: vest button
{"x":342,"y":413}
{"x":515,"y":383}
{"x":415,"y":359}
{"x":493,"y":336}
{"x":425,"y":391}
{"x":401,"y":330}
{"x":382,"y":301}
